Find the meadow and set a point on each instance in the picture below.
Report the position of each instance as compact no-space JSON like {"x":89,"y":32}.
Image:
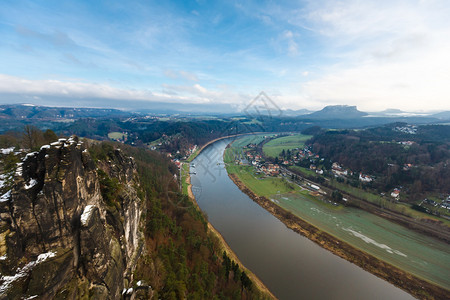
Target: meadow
{"x":274,"y":147}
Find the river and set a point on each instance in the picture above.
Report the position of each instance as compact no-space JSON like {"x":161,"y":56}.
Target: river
{"x":290,"y":265}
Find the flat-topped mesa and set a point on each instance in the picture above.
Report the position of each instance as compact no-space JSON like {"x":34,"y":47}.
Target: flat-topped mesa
{"x":56,"y":206}
{"x":337,"y":112}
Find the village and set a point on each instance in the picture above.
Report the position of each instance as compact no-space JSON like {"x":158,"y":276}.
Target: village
{"x":282,"y":166}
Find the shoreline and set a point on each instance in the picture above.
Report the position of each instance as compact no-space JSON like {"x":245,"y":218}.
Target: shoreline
{"x":195,"y":154}
{"x":224,"y":245}
{"x":413,"y":285}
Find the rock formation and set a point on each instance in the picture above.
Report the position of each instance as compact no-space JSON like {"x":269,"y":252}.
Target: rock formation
{"x":59,"y":236}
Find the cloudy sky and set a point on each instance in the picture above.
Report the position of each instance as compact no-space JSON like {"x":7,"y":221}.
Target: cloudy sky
{"x":304,"y":54}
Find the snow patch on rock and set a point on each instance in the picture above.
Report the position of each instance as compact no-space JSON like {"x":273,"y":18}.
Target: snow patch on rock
{"x":22,"y":272}
{"x":6,"y":196}
{"x":86,"y":214}
{"x":32,"y":183}
{"x":7,"y":151}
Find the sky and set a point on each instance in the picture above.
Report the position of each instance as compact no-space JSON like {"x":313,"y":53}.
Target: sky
{"x":303,"y":54}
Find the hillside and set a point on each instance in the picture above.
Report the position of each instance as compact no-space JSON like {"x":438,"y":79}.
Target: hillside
{"x":89,"y":220}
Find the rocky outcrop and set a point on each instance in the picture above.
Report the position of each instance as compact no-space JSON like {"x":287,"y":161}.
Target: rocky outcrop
{"x":59,"y":237}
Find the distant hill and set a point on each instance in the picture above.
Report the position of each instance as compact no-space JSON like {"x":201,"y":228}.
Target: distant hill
{"x":390,"y":112}
{"x":294,"y":113}
{"x":393,"y":113}
{"x":29,"y":111}
{"x":337,"y":112}
{"x":445,"y":115}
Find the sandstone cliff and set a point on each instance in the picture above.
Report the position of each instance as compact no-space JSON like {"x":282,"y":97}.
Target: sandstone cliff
{"x":61,"y":235}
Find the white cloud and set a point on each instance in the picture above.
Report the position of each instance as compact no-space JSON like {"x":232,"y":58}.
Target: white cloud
{"x":386,"y":53}
{"x":292,"y":46}
{"x":15,"y":85}
{"x":421,"y":83}
{"x":221,"y":94}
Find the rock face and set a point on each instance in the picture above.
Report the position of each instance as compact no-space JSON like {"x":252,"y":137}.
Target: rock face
{"x":59,"y":237}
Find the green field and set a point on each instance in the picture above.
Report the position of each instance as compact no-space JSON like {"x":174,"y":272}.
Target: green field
{"x":249,"y":139}
{"x":117,"y":135}
{"x":261,"y":185}
{"x":274,"y":147}
{"x":303,"y":171}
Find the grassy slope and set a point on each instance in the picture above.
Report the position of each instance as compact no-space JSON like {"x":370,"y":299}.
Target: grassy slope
{"x":275,"y":146}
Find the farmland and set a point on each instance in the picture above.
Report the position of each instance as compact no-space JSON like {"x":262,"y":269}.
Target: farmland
{"x":274,"y":147}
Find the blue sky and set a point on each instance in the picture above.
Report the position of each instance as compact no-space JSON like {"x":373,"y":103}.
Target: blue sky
{"x":303,"y":54}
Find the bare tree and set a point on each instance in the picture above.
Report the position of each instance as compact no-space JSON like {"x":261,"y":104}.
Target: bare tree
{"x":32,"y":137}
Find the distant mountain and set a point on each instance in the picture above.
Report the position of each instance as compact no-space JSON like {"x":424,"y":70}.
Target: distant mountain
{"x":393,"y":112}
{"x":445,"y":115}
{"x":337,"y":112}
{"x":30,"y":111}
{"x":294,"y":113}
{"x":129,"y":105}
{"x":388,"y":112}
{"x":186,"y":108}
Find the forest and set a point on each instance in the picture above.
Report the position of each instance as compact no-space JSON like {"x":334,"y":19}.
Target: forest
{"x":184,"y":260}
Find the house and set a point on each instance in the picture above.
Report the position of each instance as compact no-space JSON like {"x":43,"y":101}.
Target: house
{"x":339,"y":171}
{"x":446,"y":205}
{"x":395,"y":194}
{"x":319,"y":171}
{"x":406,"y":167}
{"x":365,"y":178}
{"x":273,"y":169}
{"x":177,"y":163}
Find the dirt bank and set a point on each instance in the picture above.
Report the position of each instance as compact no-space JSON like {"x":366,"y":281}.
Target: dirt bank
{"x":415,"y":286}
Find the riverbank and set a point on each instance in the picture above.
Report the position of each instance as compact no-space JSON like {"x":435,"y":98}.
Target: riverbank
{"x":411,"y":284}
{"x":225,"y":247}
{"x":198,"y":151}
